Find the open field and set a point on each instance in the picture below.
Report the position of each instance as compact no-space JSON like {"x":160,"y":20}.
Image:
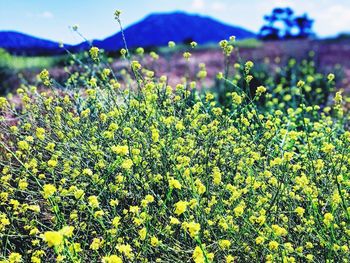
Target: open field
{"x":197,"y":155}
{"x":328,"y":56}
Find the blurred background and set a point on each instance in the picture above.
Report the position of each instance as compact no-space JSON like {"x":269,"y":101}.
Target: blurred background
{"x":40,"y":34}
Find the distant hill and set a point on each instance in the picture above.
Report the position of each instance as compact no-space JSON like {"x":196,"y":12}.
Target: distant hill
{"x":23,"y":44}
{"x":154,"y":30}
{"x":159,"y":29}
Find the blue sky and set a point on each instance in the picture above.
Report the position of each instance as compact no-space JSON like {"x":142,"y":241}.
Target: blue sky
{"x":51,"y":18}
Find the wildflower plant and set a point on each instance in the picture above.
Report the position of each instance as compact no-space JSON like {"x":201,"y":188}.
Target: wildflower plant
{"x":131,"y":169}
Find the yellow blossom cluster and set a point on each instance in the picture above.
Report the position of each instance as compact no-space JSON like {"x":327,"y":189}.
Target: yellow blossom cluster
{"x":131,"y":169}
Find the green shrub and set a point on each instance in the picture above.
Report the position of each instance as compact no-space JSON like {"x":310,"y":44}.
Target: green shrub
{"x":5,"y":71}
{"x":125,"y":168}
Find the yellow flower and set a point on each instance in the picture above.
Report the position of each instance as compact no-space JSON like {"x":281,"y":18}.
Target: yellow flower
{"x":193,"y":44}
{"x":154,"y":241}
{"x":230,"y":259}
{"x":123,"y":52}
{"x":180,"y":207}
{"x":126,"y":250}
{"x":199,"y":256}
{"x":236,"y":98}
{"x":93,"y":201}
{"x":94,"y":53}
{"x":22,"y":184}
{"x":279,"y":231}
{"x":79,"y":193}
{"x":174,"y":221}
{"x":135,"y":65}
{"x":40,"y":133}
{"x":3,"y":102}
{"x":331,"y":77}
{"x":239,"y":210}
{"x":120,"y":149}
{"x":143,"y":233}
{"x":216,"y":176}
{"x":300,"y":211}
{"x":114,"y":202}
{"x":4,"y":221}
{"x":200,"y":187}
{"x":88,"y":172}
{"x":173,"y":183}
{"x":34,"y":208}
{"x":127,"y":164}
{"x":91,"y":92}
{"x":171,"y":44}
{"x":23,"y":145}
{"x":328,"y":219}
{"x":328,"y":147}
{"x":248,"y":65}
{"x":149,"y":198}
{"x":112,"y":259}
{"x":49,"y":190}
{"x":96,"y":244}
{"x":155,"y":135}
{"x":45,"y":77}
{"x":273,"y":245}
{"x":67,"y":231}
{"x":187,"y":55}
{"x":60,"y":258}
{"x":85,"y":113}
{"x":260,"y":90}
{"x":34,"y":231}
{"x":50,"y":147}
{"x":53,"y":238}
{"x":134,"y":209}
{"x":338,"y":99}
{"x":75,"y":247}
{"x":310,"y":257}
{"x":288,"y":247}
{"x":336,"y":198}
{"x":52,"y":163}
{"x":117,"y":14}
{"x":259,"y":240}
{"x":193,"y":228}
{"x":44,"y":74}
{"x":15,"y":257}
{"x":309,"y":245}
{"x":116,"y":221}
{"x":225,"y":244}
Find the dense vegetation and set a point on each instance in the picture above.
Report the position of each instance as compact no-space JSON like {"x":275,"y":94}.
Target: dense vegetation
{"x":122,"y":167}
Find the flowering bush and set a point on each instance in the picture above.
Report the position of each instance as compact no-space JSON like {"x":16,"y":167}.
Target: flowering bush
{"x":130,"y":169}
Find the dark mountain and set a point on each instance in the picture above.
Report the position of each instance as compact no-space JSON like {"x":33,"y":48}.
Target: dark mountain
{"x":154,"y":30}
{"x":22,"y":44}
{"x":159,"y":29}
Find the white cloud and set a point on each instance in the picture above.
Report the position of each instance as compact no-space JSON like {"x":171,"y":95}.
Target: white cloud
{"x":337,"y":15}
{"x":201,"y":5}
{"x":218,"y":6}
{"x":284,"y":3}
{"x":332,"y":19}
{"x":198,"y":4}
{"x":46,"y":14}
